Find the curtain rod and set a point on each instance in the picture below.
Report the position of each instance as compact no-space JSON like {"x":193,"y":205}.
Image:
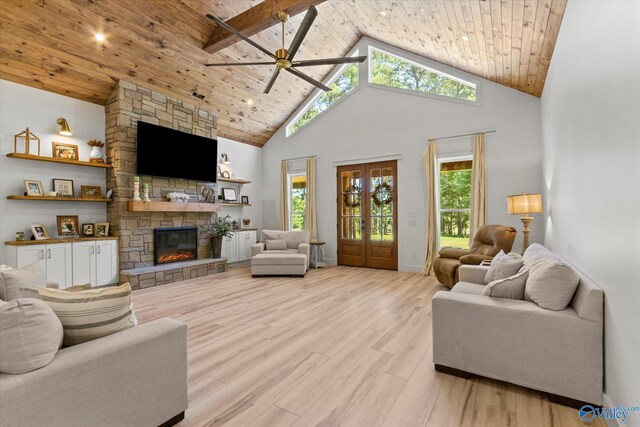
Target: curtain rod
{"x":461,"y":135}
{"x":299,"y":158}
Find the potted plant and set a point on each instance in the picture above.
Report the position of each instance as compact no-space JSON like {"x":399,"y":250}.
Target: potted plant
{"x":216,"y":231}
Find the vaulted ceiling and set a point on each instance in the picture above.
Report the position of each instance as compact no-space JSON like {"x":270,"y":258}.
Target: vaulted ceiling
{"x":49,"y":44}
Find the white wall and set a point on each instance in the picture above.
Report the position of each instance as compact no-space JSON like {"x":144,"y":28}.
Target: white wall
{"x":591,"y":133}
{"x":378,"y":122}
{"x":22,"y":106}
{"x":246,"y":163}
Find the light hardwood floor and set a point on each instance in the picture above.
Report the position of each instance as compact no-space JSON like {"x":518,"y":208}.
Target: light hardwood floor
{"x":342,"y":346}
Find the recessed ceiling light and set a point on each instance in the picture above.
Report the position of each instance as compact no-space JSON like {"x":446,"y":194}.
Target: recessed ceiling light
{"x":383,"y":13}
{"x":100,"y":37}
{"x":465,"y":38}
{"x":249,"y":101}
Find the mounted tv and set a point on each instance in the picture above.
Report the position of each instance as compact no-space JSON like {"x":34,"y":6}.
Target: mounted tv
{"x":170,"y":153}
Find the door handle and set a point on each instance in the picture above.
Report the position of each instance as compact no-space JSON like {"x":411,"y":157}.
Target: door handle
{"x":49,"y":253}
{"x":93,"y":250}
{"x":363,"y":226}
{"x":41,"y":253}
{"x":98,"y":249}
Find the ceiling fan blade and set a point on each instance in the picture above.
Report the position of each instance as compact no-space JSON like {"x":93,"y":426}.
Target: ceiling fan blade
{"x":305,"y":26}
{"x":328,"y":61}
{"x":303,"y":76}
{"x":239,"y":34}
{"x":232,"y":64}
{"x":276,"y":72}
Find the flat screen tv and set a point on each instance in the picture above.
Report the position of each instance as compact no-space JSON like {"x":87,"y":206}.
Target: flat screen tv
{"x":170,"y":153}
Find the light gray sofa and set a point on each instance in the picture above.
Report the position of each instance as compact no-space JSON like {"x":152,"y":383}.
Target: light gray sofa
{"x":287,"y":261}
{"x":137,"y":377}
{"x":557,"y":352}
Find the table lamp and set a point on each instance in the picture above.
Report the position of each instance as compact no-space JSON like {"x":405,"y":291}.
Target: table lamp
{"x":525,"y":204}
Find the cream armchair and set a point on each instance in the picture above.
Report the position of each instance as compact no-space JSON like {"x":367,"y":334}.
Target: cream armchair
{"x":297,"y":242}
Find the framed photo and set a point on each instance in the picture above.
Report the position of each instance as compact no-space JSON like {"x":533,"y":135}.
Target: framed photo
{"x":90,"y":191}
{"x":64,"y":151}
{"x":33,"y":188}
{"x":39,"y":231}
{"x":229,"y":195}
{"x":67,"y":225}
{"x":63,"y":187}
{"x":245,"y":200}
{"x":88,"y":230}
{"x":246,"y":222}
{"x":102,"y":229}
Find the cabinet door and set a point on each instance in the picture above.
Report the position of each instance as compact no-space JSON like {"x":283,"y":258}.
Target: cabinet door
{"x":106,"y":262}
{"x":244,"y":245}
{"x":59,"y":264}
{"x":26,"y":255}
{"x":224,"y":253}
{"x":84,"y":263}
{"x":233,"y":248}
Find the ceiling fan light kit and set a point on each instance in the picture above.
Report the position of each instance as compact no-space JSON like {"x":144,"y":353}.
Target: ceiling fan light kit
{"x":283,"y":58}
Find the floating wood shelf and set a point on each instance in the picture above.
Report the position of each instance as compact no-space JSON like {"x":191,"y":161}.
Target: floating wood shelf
{"x":60,"y":199}
{"x":155,"y":206}
{"x":234,"y":181}
{"x":57,"y":160}
{"x":235,"y":204}
{"x":59,"y":240}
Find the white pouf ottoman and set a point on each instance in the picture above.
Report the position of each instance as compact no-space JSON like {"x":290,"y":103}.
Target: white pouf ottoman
{"x":279,"y":265}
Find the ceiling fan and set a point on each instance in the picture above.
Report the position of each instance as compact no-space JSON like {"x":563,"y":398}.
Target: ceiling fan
{"x":283,"y":58}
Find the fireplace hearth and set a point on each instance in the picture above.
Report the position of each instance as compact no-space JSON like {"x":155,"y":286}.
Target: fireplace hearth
{"x":175,"y":244}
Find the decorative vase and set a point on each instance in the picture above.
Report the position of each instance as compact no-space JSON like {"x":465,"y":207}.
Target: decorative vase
{"x":136,"y":189}
{"x":216,"y":246}
{"x":96,"y":155}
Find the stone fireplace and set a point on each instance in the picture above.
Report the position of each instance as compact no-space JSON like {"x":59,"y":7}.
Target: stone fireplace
{"x":174,"y":244}
{"x":128,"y":104}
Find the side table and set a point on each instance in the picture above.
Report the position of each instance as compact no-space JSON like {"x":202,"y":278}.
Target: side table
{"x":317,"y":254}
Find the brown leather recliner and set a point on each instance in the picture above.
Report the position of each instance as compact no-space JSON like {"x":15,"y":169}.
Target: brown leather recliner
{"x":487,"y":242}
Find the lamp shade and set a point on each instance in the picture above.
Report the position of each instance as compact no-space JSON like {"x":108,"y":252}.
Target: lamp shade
{"x":64,"y":127}
{"x":524,"y":203}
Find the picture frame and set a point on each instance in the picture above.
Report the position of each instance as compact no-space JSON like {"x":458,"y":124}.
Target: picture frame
{"x":88,"y":229}
{"x":33,"y":188}
{"x":245,"y":200}
{"x":64,"y":151}
{"x":246,"y":222}
{"x":90,"y":191}
{"x":39,"y":231}
{"x":102,"y":229}
{"x":229,"y":194}
{"x":67,"y":225}
{"x":63,"y":187}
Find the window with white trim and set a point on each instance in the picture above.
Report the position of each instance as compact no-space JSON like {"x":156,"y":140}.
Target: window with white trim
{"x":297,"y":200}
{"x":454,"y":201}
{"x":345,"y":81}
{"x":390,"y":70}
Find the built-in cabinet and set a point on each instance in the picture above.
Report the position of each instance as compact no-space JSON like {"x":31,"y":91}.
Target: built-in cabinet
{"x":71,"y":263}
{"x":238,"y":247}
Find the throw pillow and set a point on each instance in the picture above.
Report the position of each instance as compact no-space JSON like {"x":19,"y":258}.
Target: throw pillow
{"x":33,"y":293}
{"x":503,"y":266}
{"x":30,"y":334}
{"x":552,"y":285}
{"x":12,"y":280}
{"x":276,"y":245}
{"x":512,"y":287}
{"x":90,"y":314}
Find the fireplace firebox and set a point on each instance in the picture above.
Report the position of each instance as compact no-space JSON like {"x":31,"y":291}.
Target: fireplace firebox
{"x":175,"y":244}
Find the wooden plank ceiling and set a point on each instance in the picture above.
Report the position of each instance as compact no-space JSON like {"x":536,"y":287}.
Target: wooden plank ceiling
{"x":49,"y":44}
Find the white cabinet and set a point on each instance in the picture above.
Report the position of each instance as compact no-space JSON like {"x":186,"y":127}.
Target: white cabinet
{"x":67,"y":264}
{"x":238,"y":247}
{"x":55,"y":261}
{"x":95,"y":262}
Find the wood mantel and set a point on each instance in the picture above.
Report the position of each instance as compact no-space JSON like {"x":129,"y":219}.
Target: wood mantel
{"x":155,"y":206}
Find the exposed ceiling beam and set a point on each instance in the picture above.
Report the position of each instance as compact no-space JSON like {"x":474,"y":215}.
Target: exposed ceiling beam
{"x":254,"y":20}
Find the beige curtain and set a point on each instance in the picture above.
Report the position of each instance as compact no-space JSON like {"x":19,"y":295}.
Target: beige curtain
{"x":310,"y":221}
{"x":478,"y":215}
{"x":284,"y":196}
{"x":430,"y":158}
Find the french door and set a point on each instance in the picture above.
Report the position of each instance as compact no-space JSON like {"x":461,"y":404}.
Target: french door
{"x":367,"y":215}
